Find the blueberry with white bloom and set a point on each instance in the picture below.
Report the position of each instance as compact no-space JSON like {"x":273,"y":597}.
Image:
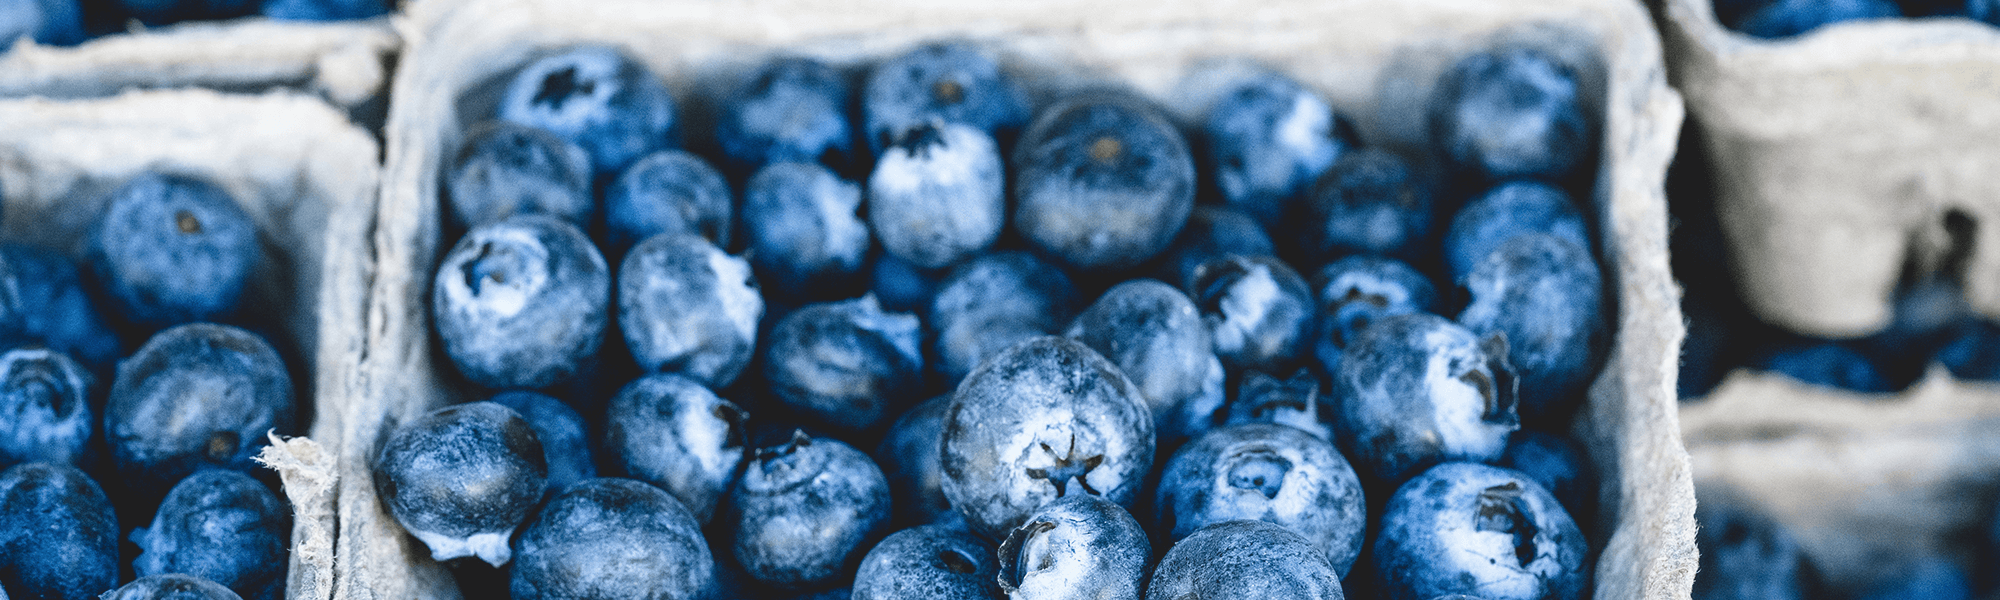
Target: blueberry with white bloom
{"x":1259,"y":312}
{"x":1102,"y":181}
{"x":1546,"y":296}
{"x":597,"y":97}
{"x":1077,"y":547}
{"x":1266,"y":472}
{"x":930,"y":562}
{"x":1245,"y":560}
{"x":1508,"y":113}
{"x":195,"y":396}
{"x":612,"y":539}
{"x":45,"y":411}
{"x":910,"y":459}
{"x":848,"y":364}
{"x":522,"y":302}
{"x":1156,"y":336}
{"x":951,"y":81}
{"x":462,"y":479}
{"x":59,"y":533}
{"x":806,"y":511}
{"x":793,"y":109}
{"x":807,"y":238}
{"x":993,"y":301}
{"x":1268,"y":140}
{"x":505,"y":169}
{"x":173,"y":249}
{"x":1370,"y":202}
{"x":171,"y":586}
{"x":937,"y":194}
{"x":1508,"y":210}
{"x":687,"y":307}
{"x":561,"y":431}
{"x":1354,"y":293}
{"x":1293,"y":402}
{"x":1212,"y":232}
{"x":49,"y":305}
{"x":670,"y":431}
{"x":1468,"y":528}
{"x":1418,"y":390}
{"x":223,"y":526}
{"x":670,"y":191}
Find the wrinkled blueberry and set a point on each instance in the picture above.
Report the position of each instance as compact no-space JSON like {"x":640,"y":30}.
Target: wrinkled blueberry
{"x":1508,"y":210}
{"x":931,"y":562}
{"x":686,"y":307}
{"x":792,"y":109}
{"x":222,"y":526}
{"x":506,"y":169}
{"x":994,"y":301}
{"x":560,"y":429}
{"x":48,"y":22}
{"x":670,"y":431}
{"x":1269,"y":139}
{"x":1102,"y":181}
{"x":1370,"y":202}
{"x":806,"y":511}
{"x":195,"y":396}
{"x":1244,"y":560}
{"x":1157,"y":338}
{"x":172,"y":586}
{"x":58,"y":532}
{"x":1830,"y":364}
{"x":1546,"y":296}
{"x":1470,"y":528}
{"x":1079,"y":546}
{"x":1786,"y":18}
{"x":1558,"y":464}
{"x":1745,"y":555}
{"x":937,"y":194}
{"x":1213,"y":232}
{"x":806,"y":236}
{"x":848,"y":364}
{"x":1292,"y":402}
{"x":910,"y":461}
{"x":901,"y":286}
{"x":1507,"y":113}
{"x":521,"y":302}
{"x":1259,"y":312}
{"x":1270,"y":473}
{"x":324,"y":10}
{"x":173,"y":249}
{"x":462,"y":479}
{"x":48,"y":305}
{"x":612,"y":539}
{"x":1354,"y":293}
{"x":671,"y":191}
{"x":1417,"y":390}
{"x":1974,"y":351}
{"x":952,"y":82}
{"x":1925,"y":578}
{"x":45,"y":411}
{"x":598,"y":98}
{"x":1046,"y":418}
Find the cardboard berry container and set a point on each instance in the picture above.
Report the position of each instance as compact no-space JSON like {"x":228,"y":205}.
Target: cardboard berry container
{"x":1374,"y":61}
{"x":1842,"y":152}
{"x":304,"y":174}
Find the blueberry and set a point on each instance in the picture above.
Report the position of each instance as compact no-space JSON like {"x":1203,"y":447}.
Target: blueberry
{"x":848,"y":364}
{"x":806,"y":511}
{"x":671,"y":191}
{"x":1292,"y":402}
{"x":1508,"y":210}
{"x":1355,"y":292}
{"x":58,"y":532}
{"x":1244,"y":560}
{"x":223,"y":526}
{"x":1973,"y":352}
{"x":936,"y":195}
{"x":1046,"y":418}
{"x":1271,"y":473}
{"x":1259,"y":312}
{"x":1508,"y":113}
{"x":1745,"y":555}
{"x":1079,"y":547}
{"x":506,"y":169}
{"x":670,"y":431}
{"x":1268,"y":139}
{"x":44,"y":407}
{"x":931,"y":562}
{"x":172,"y":586}
{"x":1828,"y":364}
{"x":1924,"y":316}
{"x":950,"y":81}
{"x":910,"y":461}
{"x":1463,"y":528}
{"x":598,"y":98}
{"x":806,"y":237}
{"x":560,"y":429}
{"x":463,"y":478}
{"x":1987,"y":11}
{"x":793,"y":109}
{"x":47,"y":304}
{"x":195,"y":396}
{"x":324,"y":10}
{"x":1786,"y":18}
{"x":994,"y":301}
{"x":1417,"y":390}
{"x":172,"y":249}
{"x":686,"y":307}
{"x":1546,"y":296}
{"x":1926,"y":578}
{"x":1370,"y":202}
{"x":1213,"y":232}
{"x":162,"y":12}
{"x":521,"y":302}
{"x":1157,"y":338}
{"x":48,"y":22}
{"x":1558,"y":464}
{"x":612,"y":539}
{"x":1102,"y":181}
{"x":901,"y":286}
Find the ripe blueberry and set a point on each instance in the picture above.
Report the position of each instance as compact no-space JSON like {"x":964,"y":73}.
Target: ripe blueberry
{"x":462,"y":479}
{"x":521,"y":302}
{"x":1102,"y":181}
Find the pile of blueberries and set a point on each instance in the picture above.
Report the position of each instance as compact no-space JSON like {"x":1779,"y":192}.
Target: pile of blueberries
{"x":1076,"y":338}
{"x":1787,"y":18}
{"x":71,"y":22}
{"x":171,"y":439}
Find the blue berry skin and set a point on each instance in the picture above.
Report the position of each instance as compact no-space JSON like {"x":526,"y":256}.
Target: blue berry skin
{"x":949,"y":81}
{"x":1245,"y":560}
{"x":670,"y":191}
{"x":806,"y":511}
{"x":930,"y":562}
{"x":901,"y":286}
{"x":48,"y":22}
{"x":848,"y":364}
{"x":1213,"y":232}
{"x":1370,"y":202}
{"x":669,"y":431}
{"x":506,"y":169}
{"x":222,"y":526}
{"x":1829,"y":364}
{"x":1470,"y":528}
{"x":1158,"y":339}
{"x":45,"y":411}
{"x":612,"y":539}
{"x":596,"y":97}
{"x":195,"y":396}
{"x":1077,"y":547}
{"x":59,"y":534}
{"x":1102,"y":181}
{"x":687,"y":307}
{"x":522,"y":302}
{"x":938,"y":194}
{"x":1787,"y":18}
{"x":565,"y":447}
{"x":1508,"y":210}
{"x":1041,"y":420}
{"x":1545,"y":296}
{"x":1292,"y":402}
{"x":1271,"y":473}
{"x":163,"y":12}
{"x":324,"y":10}
{"x":172,"y":249}
{"x":1928,"y":578}
{"x":1558,"y":464}
{"x":1973,"y":352}
{"x":51,"y":307}
{"x":172,"y":586}
{"x":1259,"y":312}
{"x":807,"y":239}
{"x":1986,"y":11}
{"x":793,"y":109}
{"x":1510,"y":113}
{"x":462,"y":479}
{"x":1354,"y":293}
{"x":911,"y":462}
{"x":1417,"y":390}
{"x":991,"y":303}
{"x":1269,"y":139}
{"x":1745,"y":555}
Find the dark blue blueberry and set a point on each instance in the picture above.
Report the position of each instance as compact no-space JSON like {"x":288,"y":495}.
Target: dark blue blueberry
{"x":522,"y":302}
{"x":1245,"y":560}
{"x":807,"y":238}
{"x":931,"y":562}
{"x":162,"y":12}
{"x":1077,"y":547}
{"x":324,"y":10}
{"x":793,"y":109}
{"x":949,"y":81}
{"x":1558,"y":464}
{"x":1213,"y":232}
{"x":44,"y":408}
{"x":1041,"y":420}
{"x":1270,"y":473}
{"x":848,"y":364}
{"x":597,"y":97}
{"x":1828,"y":364}
{"x":1974,"y":351}
{"x":938,"y":194}
{"x":670,"y":431}
{"x":1987,"y":11}
{"x":193,"y":397}
{"x":1371,"y":202}
{"x":1745,"y":555}
{"x":1545,"y":296}
{"x":1926,"y":578}
{"x":1417,"y":390}
{"x":1269,"y":139}
{"x":686,"y":307}
{"x":49,"y":306}
{"x":58,"y":534}
{"x":463,"y":478}
{"x":1157,"y":338}
{"x":806,"y":511}
{"x":172,"y":249}
{"x":910,"y":460}
{"x":172,"y":586}
{"x":1259,"y":312}
{"x":1354,"y":293}
{"x":222,"y":526}
{"x":612,"y":539}
{"x":1292,"y":402}
{"x":1786,"y":18}
{"x":671,"y":191}
{"x":560,"y":429}
{"x":506,"y":169}
{"x":901,"y":286}
{"x":1509,"y":113}
{"x":994,"y":301}
{"x":1102,"y":181}
{"x":1508,"y":210}
{"x":48,"y":22}
{"x":1468,"y":528}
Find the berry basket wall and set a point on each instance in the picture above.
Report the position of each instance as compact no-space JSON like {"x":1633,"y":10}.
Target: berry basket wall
{"x":1373,"y":60}
{"x":1843,"y":151}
